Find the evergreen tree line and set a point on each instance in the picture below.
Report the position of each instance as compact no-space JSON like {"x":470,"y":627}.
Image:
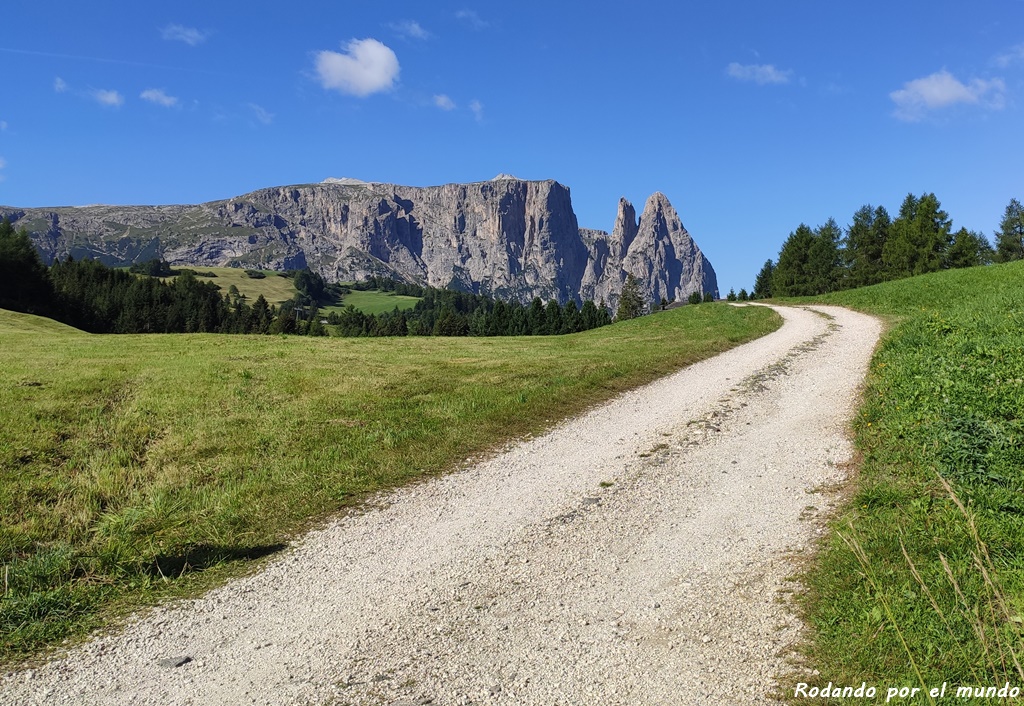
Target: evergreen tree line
{"x":91,"y":296}
{"x":876,"y":248}
{"x":446,"y":312}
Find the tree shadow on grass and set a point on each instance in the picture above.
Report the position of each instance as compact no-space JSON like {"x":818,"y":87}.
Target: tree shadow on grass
{"x":205,"y":556}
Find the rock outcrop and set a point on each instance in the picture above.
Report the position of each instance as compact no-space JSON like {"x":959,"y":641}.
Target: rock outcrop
{"x":507,"y":237}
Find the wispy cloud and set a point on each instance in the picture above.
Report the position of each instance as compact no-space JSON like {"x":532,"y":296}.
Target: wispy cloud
{"x":3,"y":164}
{"x":261,"y":113}
{"x":60,"y":85}
{"x":444,"y":102}
{"x":1014,"y":55}
{"x":181,"y":33}
{"x":159,"y":97}
{"x":106,"y":97}
{"x":366,"y":66}
{"x":761,"y":74}
{"x":410,"y":28}
{"x":941,"y":90}
{"x":471,"y":19}
{"x":478,"y":109}
{"x":3,"y":126}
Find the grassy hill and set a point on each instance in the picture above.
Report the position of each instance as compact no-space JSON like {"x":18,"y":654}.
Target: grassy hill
{"x":923,"y":579}
{"x":133,"y":467}
{"x":374,"y":302}
{"x":276,"y":290}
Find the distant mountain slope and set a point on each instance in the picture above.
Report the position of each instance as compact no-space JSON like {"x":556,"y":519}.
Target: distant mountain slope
{"x":507,"y":237}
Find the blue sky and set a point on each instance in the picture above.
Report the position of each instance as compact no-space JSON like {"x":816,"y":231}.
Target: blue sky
{"x":750,"y":116}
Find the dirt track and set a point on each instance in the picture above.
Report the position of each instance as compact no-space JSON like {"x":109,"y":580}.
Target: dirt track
{"x":634,"y":555}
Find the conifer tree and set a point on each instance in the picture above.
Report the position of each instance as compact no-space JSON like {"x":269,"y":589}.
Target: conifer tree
{"x":24,"y":282}
{"x":969,"y":249}
{"x":631,"y":303}
{"x":791,"y":276}
{"x":1010,"y":236}
{"x":865,"y":240}
{"x":823,"y":258}
{"x":763,"y":281}
{"x":552,"y":319}
{"x":919,"y":239}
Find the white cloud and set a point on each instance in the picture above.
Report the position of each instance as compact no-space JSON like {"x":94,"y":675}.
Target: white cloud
{"x":366,"y":67}
{"x":109,"y":98}
{"x":410,"y":28}
{"x":60,"y":85}
{"x":3,"y":164}
{"x":158,"y":96}
{"x":478,"y":109}
{"x":1015,"y":55}
{"x":762,"y":74}
{"x":472,"y":19}
{"x":942,"y":89}
{"x":3,"y":126}
{"x":261,"y":113}
{"x":444,"y":102}
{"x":180,"y":33}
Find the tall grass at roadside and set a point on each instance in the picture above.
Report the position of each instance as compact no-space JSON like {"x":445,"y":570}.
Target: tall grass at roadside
{"x":923,"y":579}
{"x":135,"y":467}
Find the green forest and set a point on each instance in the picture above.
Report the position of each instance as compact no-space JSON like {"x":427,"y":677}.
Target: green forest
{"x":93,"y":297}
{"x":877,"y":248}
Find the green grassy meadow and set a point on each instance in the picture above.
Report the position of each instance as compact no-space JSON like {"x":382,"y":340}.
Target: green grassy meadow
{"x":275,"y":289}
{"x":137,"y":467}
{"x":373,"y":302}
{"x":921,"y":583}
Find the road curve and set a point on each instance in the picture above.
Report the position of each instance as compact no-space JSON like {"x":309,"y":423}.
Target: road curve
{"x":633,"y":555}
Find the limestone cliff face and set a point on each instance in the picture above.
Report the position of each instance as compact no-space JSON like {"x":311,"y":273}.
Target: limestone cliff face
{"x":507,"y":237}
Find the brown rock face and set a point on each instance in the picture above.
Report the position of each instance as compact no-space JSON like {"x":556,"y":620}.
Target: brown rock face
{"x":509,"y":238}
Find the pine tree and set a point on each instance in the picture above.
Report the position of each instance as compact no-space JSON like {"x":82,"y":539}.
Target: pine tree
{"x":535,"y":318}
{"x":570,"y":318}
{"x":24,"y":281}
{"x":552,"y":319}
{"x":589,"y":316}
{"x":969,"y":249}
{"x":823,"y":258}
{"x":631,"y":303}
{"x":791,"y":276}
{"x":742,"y":296}
{"x":763,"y":281}
{"x":919,"y":238}
{"x":865,"y":240}
{"x":1010,"y":236}
{"x":731,"y":296}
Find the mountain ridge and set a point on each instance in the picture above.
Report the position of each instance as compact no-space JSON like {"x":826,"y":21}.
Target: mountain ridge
{"x":508,"y":237}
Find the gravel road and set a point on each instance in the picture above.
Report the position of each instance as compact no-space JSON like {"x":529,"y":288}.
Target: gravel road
{"x":638,"y":554}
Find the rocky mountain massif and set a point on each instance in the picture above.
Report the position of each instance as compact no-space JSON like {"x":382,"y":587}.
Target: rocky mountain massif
{"x":507,"y":237}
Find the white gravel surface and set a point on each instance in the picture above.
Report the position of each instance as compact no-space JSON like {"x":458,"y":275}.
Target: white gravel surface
{"x":639,"y":554}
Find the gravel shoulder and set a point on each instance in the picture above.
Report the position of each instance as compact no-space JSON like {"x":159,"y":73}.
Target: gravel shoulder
{"x":634,"y":555}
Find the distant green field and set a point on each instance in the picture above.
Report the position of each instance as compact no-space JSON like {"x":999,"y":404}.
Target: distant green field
{"x":912,"y":589}
{"x":135,"y":467}
{"x":274,"y":288}
{"x":374,"y":302}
